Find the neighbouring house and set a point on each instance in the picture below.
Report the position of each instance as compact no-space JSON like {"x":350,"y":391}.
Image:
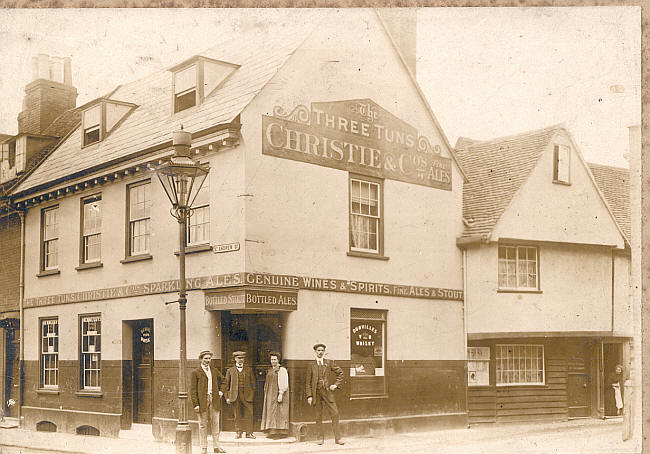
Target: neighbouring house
{"x":547,"y":256}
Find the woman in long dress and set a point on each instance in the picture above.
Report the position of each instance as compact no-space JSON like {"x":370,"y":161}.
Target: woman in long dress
{"x":275,"y":415}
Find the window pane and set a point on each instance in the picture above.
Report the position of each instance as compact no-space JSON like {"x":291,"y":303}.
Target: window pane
{"x":364,"y":218}
{"x":92,"y":116}
{"x":367,"y":337}
{"x":185,"y":79}
{"x":520,"y":364}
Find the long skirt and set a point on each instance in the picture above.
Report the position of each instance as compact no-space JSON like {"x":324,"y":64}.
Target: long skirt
{"x":275,"y":416}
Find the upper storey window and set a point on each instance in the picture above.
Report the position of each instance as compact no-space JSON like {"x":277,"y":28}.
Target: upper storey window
{"x":196,"y":78}
{"x":100,"y":117}
{"x":561,"y":162}
{"x":185,"y":91}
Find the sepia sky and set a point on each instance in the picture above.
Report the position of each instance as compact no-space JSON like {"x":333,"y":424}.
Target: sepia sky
{"x":487,"y":72}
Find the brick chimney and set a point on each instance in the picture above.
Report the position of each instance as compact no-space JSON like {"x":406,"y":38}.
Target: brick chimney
{"x":402,"y":26}
{"x":49,"y":95}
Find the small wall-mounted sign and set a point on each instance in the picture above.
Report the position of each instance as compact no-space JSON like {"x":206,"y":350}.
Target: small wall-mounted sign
{"x":230,"y":247}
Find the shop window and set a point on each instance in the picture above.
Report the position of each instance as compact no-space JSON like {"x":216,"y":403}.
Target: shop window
{"x":367,"y":353}
{"x":139,"y":218}
{"x":185,"y":93}
{"x":478,"y":366}
{"x":50,"y":238}
{"x":561,"y":164}
{"x":49,"y":353}
{"x":198,"y":225}
{"x":518,"y":364}
{"x":90,"y":352}
{"x":518,"y":268}
{"x":366,"y":227}
{"x":91,"y":222}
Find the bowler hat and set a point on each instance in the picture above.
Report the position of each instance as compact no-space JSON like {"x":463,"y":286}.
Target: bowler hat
{"x":319,"y":345}
{"x":238,"y":353}
{"x":204,"y":352}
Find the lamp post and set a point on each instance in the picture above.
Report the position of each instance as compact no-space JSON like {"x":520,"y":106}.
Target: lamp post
{"x":182,"y":178}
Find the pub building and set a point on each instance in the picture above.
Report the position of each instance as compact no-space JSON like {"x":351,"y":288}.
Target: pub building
{"x":546,"y":246}
{"x":329,"y":215}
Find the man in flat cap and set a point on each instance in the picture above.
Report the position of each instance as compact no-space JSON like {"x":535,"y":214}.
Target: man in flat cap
{"x":206,"y":395}
{"x":240,"y":391}
{"x":320,"y":387}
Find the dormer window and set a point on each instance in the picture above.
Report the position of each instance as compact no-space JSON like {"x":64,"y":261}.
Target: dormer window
{"x":92,"y":123}
{"x":561,"y":164}
{"x":185,"y":92}
{"x":196,"y":78}
{"x":100,"y":117}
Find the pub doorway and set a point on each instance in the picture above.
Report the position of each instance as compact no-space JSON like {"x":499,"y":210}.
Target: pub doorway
{"x":142,"y":371}
{"x":257,"y":334}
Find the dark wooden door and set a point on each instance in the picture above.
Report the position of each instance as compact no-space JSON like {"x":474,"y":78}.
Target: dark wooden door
{"x":578,"y":380}
{"x":142,"y":371}
{"x":257,"y":335}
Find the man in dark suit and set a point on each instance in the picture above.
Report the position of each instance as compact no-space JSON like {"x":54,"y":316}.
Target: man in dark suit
{"x":240,"y":391}
{"x":205,"y":393}
{"x":320,"y":391}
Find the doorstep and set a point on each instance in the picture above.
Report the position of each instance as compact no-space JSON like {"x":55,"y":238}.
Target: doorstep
{"x":9,"y":423}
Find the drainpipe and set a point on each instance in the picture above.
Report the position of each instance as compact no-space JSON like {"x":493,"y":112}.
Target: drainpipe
{"x":613,"y":291}
{"x":21,"y":297}
{"x":465,"y":330}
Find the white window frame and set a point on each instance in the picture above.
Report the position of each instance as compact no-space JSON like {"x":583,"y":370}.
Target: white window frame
{"x":137,"y":222}
{"x":90,"y":352}
{"x":89,"y":233}
{"x":562,"y":164}
{"x":87,"y":128}
{"x":49,"y":337}
{"x":50,"y":233}
{"x":512,"y":363}
{"x":186,"y":91}
{"x":517,"y":262}
{"x":200,"y":219}
{"x":476,"y":355}
{"x":358,"y":216}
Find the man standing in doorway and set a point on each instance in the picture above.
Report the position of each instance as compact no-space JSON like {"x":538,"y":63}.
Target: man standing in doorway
{"x":206,"y":400}
{"x":240,"y":391}
{"x":320,"y":391}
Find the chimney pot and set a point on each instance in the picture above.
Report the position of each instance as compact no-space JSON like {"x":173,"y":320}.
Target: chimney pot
{"x":43,"y":66}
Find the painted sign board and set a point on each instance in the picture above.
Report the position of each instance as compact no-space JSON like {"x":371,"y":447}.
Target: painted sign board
{"x":251,"y":299}
{"x":357,"y":136}
{"x":207,"y":283}
{"x":230,"y":247}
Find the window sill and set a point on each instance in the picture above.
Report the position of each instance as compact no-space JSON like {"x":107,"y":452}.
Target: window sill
{"x":518,"y":291}
{"x":89,"y":394}
{"x":523,"y":385}
{"x":137,"y":258}
{"x":195,"y":248}
{"x":361,"y":397}
{"x":47,"y":391}
{"x":561,"y":182}
{"x":48,"y":273}
{"x":367,"y":255}
{"x":88,"y":266}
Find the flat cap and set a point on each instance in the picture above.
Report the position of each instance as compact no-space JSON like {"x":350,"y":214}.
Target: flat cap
{"x":205,"y":352}
{"x":238,"y":353}
{"x":319,"y":345}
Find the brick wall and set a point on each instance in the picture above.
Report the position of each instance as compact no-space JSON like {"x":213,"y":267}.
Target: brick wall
{"x":44,"y":101}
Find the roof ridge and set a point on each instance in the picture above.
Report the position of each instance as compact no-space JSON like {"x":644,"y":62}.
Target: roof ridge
{"x":514,"y":136}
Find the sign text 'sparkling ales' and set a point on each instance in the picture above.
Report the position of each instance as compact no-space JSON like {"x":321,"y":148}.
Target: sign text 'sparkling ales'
{"x":358,"y":136}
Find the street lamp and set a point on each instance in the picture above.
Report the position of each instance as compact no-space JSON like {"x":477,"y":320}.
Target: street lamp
{"x":181,"y":178}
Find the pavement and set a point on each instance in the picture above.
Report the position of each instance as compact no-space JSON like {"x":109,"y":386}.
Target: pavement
{"x":586,"y":436}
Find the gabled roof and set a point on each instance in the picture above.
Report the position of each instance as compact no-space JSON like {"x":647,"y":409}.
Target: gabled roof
{"x":614,"y":183}
{"x":259,"y":57}
{"x":495,"y":170}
